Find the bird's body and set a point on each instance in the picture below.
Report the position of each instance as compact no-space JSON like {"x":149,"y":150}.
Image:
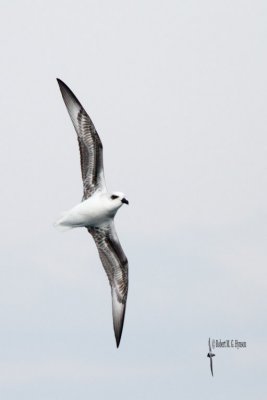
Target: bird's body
{"x":210,"y":355}
{"x":98,"y":208}
{"x":96,"y":211}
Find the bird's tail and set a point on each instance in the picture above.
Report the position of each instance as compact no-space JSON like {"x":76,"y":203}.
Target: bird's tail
{"x":61,"y":224}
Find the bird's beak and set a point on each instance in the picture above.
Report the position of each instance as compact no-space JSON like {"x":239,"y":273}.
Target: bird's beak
{"x":125,"y":201}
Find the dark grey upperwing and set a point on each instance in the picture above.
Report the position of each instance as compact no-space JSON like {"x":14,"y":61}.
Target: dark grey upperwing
{"x":91,"y":149}
{"x":115,"y":264}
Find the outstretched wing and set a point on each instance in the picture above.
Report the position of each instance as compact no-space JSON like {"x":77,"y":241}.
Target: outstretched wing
{"x":211,"y":366}
{"x":91,"y":149}
{"x":209,"y":345}
{"x":115,"y":264}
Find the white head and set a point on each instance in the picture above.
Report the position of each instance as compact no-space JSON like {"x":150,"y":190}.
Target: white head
{"x":115,"y":200}
{"x":118,"y":198}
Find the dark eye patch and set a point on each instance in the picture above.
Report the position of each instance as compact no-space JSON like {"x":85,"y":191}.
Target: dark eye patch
{"x":113,"y":197}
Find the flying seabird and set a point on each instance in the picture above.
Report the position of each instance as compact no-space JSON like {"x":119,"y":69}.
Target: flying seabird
{"x":210,"y":355}
{"x":98,"y":207}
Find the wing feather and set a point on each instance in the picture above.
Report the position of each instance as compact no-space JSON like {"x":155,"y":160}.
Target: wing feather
{"x":90,"y":146}
{"x":115,"y":264}
{"x":211,"y":366}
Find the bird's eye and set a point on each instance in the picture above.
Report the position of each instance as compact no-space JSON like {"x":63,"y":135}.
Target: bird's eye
{"x":113,"y":197}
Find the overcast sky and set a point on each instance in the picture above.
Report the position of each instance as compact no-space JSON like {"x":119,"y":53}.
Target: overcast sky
{"x":177,"y":92}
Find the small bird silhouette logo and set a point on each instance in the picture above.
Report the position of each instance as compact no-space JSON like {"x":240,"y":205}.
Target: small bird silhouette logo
{"x":210,"y":355}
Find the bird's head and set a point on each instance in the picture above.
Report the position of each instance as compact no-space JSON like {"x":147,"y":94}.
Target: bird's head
{"x":117,"y":199}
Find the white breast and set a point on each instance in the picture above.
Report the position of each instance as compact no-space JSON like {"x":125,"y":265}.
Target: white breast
{"x":91,"y":212}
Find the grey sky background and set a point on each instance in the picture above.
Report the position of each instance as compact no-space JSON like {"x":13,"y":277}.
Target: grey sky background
{"x":177,"y":92}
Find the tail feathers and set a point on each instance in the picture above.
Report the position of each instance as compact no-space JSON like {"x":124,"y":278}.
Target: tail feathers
{"x":118,"y":312}
{"x":60,"y":225}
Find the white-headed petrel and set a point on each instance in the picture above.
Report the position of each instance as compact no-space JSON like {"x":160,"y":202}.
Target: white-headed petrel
{"x":210,"y":355}
{"x":98,"y":208}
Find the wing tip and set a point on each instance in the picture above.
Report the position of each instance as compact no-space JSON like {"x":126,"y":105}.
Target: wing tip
{"x":118,"y":339}
{"x":118,"y":312}
{"x":67,"y":92}
{"x":71,"y":102}
{"x":118,"y":329}
{"x":61,"y":83}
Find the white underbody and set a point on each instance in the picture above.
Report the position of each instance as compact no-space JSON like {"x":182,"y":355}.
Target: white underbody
{"x":95,"y":211}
